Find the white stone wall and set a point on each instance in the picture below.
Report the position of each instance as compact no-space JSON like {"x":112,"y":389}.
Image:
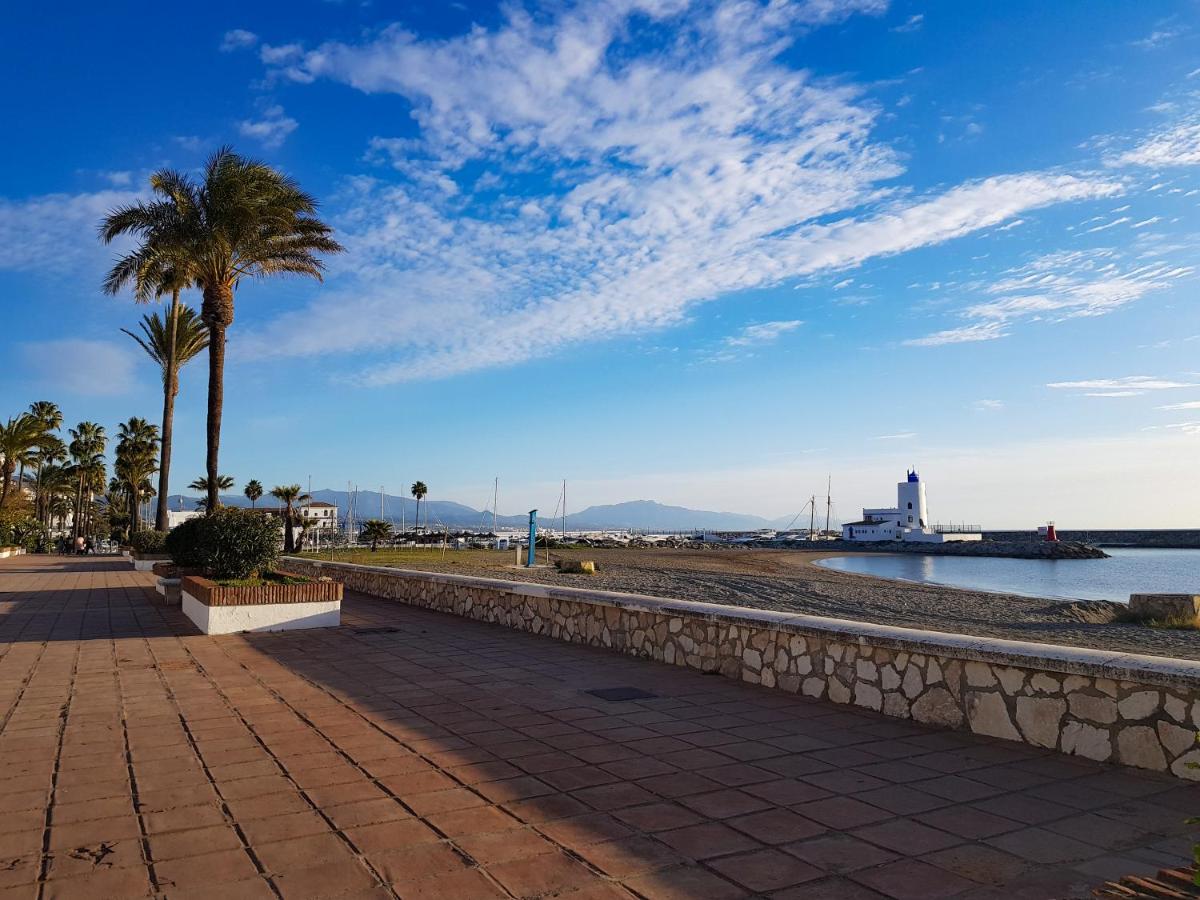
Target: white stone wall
{"x":1136,"y":710}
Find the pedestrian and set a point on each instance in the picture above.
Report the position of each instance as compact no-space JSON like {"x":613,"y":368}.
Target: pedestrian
{"x":79,"y":545}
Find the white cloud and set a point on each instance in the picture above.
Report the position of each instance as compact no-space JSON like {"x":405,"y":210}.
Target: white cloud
{"x":1059,"y":286}
{"x":74,"y":366}
{"x":763,"y":333}
{"x":1173,"y":407}
{"x":1157,"y":38}
{"x":901,"y":436}
{"x":57,"y":232}
{"x":988,"y":405}
{"x":1176,"y":145}
{"x":966,"y":334}
{"x":912,"y":23}
{"x":1129,"y":386}
{"x":271,"y":130}
{"x":660,"y":180}
{"x":238,"y":39}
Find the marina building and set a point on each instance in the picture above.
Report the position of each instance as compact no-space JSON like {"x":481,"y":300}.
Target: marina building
{"x":908,"y":520}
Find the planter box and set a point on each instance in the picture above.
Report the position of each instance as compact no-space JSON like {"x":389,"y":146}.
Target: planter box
{"x":6,"y":552}
{"x":270,"y":607}
{"x":145,"y":562}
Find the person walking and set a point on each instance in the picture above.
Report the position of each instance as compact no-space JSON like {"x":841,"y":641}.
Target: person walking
{"x":79,"y":545}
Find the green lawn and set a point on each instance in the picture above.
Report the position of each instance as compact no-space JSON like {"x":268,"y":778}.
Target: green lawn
{"x":390,"y":556}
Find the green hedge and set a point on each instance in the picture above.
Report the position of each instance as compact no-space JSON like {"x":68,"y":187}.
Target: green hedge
{"x":149,"y":541}
{"x":229,"y":544}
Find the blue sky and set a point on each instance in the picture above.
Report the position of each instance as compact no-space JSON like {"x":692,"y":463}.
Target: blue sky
{"x":705,"y":253}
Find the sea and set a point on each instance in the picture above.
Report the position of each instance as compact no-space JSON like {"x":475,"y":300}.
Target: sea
{"x":1127,"y":571}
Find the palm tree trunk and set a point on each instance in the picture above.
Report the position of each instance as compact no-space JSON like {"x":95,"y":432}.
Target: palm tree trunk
{"x":170,"y":389}
{"x":77,"y":519}
{"x":216,"y":397}
{"x":4,"y":487}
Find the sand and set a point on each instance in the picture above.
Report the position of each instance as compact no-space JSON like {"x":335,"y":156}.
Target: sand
{"x":787,"y":580}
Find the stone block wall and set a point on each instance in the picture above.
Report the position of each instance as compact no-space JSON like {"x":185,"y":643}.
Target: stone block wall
{"x":1136,"y":710}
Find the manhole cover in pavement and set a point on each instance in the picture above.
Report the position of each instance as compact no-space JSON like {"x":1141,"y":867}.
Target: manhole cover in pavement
{"x":617,"y":694}
{"x":383,"y":629}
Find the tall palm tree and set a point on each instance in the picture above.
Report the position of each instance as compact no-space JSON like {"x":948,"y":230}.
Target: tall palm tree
{"x":88,"y":441}
{"x":135,"y":463}
{"x":244,"y":219}
{"x":56,"y":494}
{"x":223,"y":483}
{"x":253,"y":491}
{"x":419,"y":490}
{"x":19,"y":439}
{"x":51,"y":418}
{"x":171,"y":341}
{"x":52,"y":453}
{"x":289,"y":495}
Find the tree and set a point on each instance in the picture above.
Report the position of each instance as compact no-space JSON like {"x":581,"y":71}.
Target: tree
{"x":244,"y":219}
{"x":88,"y":441}
{"x":171,"y":342}
{"x":289,"y":495}
{"x":419,"y":490}
{"x":375,"y":530}
{"x":19,"y":439}
{"x":51,"y":418}
{"x":224,"y":483}
{"x":253,"y":491}
{"x":135,"y":463}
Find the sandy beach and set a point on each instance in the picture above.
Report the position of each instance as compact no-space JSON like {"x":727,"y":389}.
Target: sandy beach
{"x":787,"y":580}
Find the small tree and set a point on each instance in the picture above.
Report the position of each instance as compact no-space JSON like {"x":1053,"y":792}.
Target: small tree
{"x":227,"y":544}
{"x":289,"y":494}
{"x":224,"y":483}
{"x":375,"y":530}
{"x":253,"y":491}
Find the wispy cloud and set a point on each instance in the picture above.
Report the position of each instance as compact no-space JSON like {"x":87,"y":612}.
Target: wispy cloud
{"x":271,"y":130}
{"x":1058,"y":286}
{"x":901,"y":436}
{"x":74,"y":366}
{"x":1174,"y":407}
{"x":238,"y":39}
{"x":1129,"y":386}
{"x":1158,"y":38}
{"x":1176,"y":145}
{"x":912,"y":23}
{"x":57,"y":232}
{"x":988,"y":405}
{"x":649,"y":182}
{"x":762,"y":333}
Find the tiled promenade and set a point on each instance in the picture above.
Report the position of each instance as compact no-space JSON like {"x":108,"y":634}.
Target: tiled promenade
{"x":416,"y":755}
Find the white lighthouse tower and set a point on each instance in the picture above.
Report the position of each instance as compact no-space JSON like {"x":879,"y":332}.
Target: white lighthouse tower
{"x":910,"y":503}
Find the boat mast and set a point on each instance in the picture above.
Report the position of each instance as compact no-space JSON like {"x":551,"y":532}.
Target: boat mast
{"x":812,"y":515}
{"x":564,"y":528}
{"x":828,"y":502}
{"x":495,"y":500}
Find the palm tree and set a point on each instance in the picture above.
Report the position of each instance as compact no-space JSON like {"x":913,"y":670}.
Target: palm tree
{"x":19,"y":439}
{"x":375,"y":530}
{"x":51,"y":418}
{"x":88,"y":441}
{"x":289,"y":494}
{"x":223,"y":483}
{"x":245,"y":219}
{"x":135,"y":463}
{"x":419,"y":490}
{"x":171,"y":342}
{"x":253,"y":491}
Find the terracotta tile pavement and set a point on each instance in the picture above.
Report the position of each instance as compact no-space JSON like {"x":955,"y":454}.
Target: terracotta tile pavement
{"x":442,"y":758}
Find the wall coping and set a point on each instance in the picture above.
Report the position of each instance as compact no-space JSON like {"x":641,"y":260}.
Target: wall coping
{"x":208,"y":593}
{"x":1163,"y":671}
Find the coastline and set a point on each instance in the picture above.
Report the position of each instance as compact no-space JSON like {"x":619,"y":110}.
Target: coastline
{"x":790,"y":581}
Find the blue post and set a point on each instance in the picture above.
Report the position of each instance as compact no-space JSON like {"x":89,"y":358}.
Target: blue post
{"x":531,"y":556}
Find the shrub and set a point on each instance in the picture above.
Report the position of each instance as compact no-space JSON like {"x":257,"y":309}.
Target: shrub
{"x":18,"y":530}
{"x":149,"y":541}
{"x":229,"y":544}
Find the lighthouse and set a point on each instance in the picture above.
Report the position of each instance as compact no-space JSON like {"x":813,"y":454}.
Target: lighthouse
{"x":910,"y":502}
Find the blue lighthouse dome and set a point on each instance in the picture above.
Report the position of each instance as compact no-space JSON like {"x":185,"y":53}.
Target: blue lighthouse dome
{"x":913,"y":476}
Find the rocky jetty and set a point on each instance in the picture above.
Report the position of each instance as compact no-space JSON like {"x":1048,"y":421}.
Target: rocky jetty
{"x":1008,"y":549}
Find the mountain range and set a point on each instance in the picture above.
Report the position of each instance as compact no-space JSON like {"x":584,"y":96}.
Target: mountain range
{"x":636,"y":515}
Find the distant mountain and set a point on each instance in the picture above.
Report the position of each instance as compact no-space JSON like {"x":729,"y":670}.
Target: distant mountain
{"x":639,"y":515}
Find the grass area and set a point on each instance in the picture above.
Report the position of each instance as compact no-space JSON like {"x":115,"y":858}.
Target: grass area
{"x":409,"y":556}
{"x":1172,"y":623}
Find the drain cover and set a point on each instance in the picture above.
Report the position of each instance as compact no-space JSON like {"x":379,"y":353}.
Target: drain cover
{"x":383,"y":629}
{"x":617,"y":694}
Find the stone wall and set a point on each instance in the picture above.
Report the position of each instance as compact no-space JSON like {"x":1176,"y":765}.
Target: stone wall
{"x":1137,"y":710}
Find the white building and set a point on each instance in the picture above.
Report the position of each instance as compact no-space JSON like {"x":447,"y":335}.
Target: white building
{"x":908,"y":520}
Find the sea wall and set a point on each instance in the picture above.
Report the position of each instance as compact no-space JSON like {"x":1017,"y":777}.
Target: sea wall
{"x":1136,"y":710}
{"x":1177,"y":538}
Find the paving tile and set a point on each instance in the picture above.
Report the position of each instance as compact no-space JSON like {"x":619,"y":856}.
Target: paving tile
{"x":538,"y":875}
{"x":1041,"y":846}
{"x":911,"y":879}
{"x":907,"y":837}
{"x":776,"y":826}
{"x":206,"y":869}
{"x":281,"y":828}
{"x":842,"y":813}
{"x":981,"y":863}
{"x":458,"y":885}
{"x":417,"y":862}
{"x":839,"y":853}
{"x":630,"y":856}
{"x":724,"y":804}
{"x":707,"y":840}
{"x":686,"y":883}
{"x":195,"y":842}
{"x":659,"y":816}
{"x":498,"y":847}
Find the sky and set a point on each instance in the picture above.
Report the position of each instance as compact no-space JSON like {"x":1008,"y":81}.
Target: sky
{"x":706,"y":253}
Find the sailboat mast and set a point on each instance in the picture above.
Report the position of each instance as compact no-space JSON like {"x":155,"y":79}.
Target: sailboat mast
{"x":828,"y":502}
{"x":564,"y":530}
{"x":812,"y":515}
{"x":495,"y":500}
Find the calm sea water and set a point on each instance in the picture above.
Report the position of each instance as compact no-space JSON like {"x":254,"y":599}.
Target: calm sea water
{"x":1129,"y":571}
